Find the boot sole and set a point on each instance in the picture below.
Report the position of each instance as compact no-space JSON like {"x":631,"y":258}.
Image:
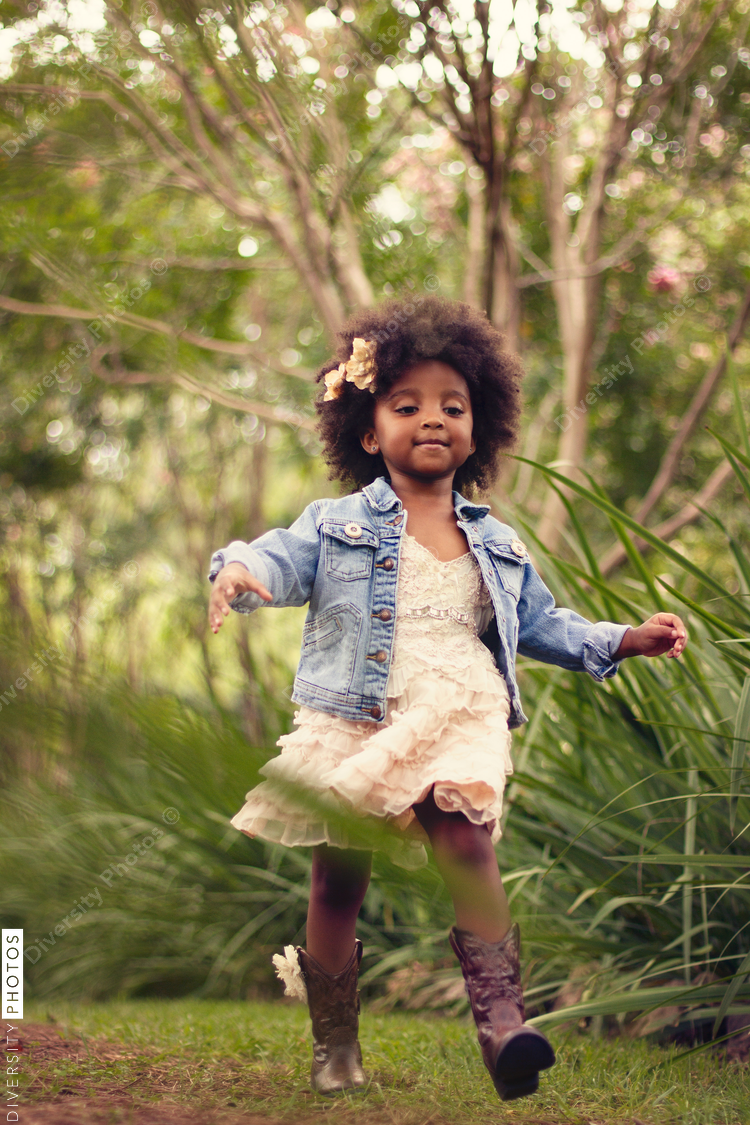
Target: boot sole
{"x":519,"y":1062}
{"x":509,"y":1091}
{"x":331,"y":1092}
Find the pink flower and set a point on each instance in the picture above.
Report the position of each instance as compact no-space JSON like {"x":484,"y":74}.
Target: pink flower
{"x":664,"y":278}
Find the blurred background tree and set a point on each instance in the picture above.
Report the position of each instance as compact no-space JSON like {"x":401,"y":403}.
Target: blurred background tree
{"x":194,"y":199}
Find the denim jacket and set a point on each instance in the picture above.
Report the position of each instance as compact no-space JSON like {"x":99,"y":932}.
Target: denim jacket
{"x":342,"y":556}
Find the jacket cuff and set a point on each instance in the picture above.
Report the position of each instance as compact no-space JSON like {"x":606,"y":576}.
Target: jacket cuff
{"x":239,"y":552}
{"x":599,"y":646}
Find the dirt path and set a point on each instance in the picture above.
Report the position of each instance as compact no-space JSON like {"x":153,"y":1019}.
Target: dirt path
{"x":90,"y":1111}
{"x":100,"y":1101}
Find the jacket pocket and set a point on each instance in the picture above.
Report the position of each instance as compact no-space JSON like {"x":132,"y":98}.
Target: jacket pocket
{"x":509,"y":567}
{"x":348,"y":549}
{"x":329,"y":648}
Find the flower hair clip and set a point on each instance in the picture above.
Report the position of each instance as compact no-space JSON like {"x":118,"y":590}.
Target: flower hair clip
{"x":359,"y":369}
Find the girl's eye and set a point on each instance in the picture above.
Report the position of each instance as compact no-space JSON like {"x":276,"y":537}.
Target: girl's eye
{"x":454,"y":411}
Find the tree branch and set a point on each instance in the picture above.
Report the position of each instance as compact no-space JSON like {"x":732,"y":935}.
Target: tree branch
{"x":193,"y":178}
{"x":669,"y":461}
{"x":619,"y":253}
{"x":666,"y":530}
{"x":160,"y":327}
{"x":121,"y":375}
{"x":208,"y":264}
{"x":263,"y":410}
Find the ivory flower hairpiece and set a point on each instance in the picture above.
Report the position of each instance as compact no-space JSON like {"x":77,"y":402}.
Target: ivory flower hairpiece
{"x":359,"y":369}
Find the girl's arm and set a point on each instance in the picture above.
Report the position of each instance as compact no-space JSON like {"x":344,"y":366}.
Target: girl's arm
{"x":561,"y":636}
{"x":283,"y":562}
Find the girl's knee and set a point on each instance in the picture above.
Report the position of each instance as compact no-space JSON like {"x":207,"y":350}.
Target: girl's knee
{"x":339,"y":881}
{"x":464,"y":843}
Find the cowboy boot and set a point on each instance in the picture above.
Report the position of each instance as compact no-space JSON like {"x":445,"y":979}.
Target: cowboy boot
{"x":333,"y":1002}
{"x":513,"y":1052}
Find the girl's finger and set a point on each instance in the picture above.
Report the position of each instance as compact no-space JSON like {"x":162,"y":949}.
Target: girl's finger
{"x":664,"y":631}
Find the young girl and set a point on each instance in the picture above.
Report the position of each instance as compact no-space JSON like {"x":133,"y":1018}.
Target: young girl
{"x":419,"y":600}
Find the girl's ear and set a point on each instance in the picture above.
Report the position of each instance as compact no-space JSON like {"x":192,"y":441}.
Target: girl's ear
{"x":369,"y":442}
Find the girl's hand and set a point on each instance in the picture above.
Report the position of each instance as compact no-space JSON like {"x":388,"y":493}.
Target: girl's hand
{"x":231,"y":580}
{"x":664,"y":632}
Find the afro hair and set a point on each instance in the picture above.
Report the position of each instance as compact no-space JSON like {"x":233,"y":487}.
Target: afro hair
{"x":408,"y":331}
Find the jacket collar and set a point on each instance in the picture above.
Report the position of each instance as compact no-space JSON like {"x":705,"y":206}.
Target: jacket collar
{"x":381,"y":496}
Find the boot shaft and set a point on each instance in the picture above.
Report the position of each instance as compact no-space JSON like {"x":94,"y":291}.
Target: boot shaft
{"x":492,"y":971}
{"x":333,"y":998}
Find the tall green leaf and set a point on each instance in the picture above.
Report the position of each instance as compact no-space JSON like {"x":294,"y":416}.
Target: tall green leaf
{"x":739,"y":749}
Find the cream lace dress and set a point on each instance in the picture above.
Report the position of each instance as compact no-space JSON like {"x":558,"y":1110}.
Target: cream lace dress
{"x":446,"y":725}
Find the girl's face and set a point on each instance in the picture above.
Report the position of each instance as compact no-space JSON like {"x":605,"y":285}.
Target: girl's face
{"x":423,"y":425}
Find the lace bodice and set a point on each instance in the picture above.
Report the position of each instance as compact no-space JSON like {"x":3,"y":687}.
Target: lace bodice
{"x":439,"y":608}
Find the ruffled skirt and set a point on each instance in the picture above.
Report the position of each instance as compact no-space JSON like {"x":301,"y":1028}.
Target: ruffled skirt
{"x":447,"y":730}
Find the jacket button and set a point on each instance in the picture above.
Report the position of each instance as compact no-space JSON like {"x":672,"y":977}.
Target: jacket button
{"x":385,"y":615}
{"x":353,"y":530}
{"x":517,"y":547}
{"x":375,"y":712}
{"x":381,"y":656}
{"x":388,"y":564}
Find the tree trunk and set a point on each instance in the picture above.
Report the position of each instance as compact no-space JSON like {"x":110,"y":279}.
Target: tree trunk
{"x":505,"y":312}
{"x":576,"y":299}
{"x":350,"y":269}
{"x":474,"y":242}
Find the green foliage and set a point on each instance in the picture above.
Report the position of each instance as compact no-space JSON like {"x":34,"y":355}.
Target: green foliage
{"x":163,"y":919}
{"x":637,"y":791}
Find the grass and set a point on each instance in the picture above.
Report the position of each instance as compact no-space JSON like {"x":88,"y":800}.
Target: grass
{"x":255,"y":1057}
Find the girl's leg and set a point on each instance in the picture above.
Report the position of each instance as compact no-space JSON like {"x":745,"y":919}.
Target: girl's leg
{"x":330,"y":966}
{"x":340,"y":878}
{"x":467,"y":862}
{"x":487,"y":949}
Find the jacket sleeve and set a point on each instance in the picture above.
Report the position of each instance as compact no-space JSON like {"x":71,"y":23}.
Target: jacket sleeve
{"x":285,"y":560}
{"x":561,"y":636}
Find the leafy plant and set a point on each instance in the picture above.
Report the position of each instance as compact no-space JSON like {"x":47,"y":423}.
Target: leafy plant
{"x":633,"y":794}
